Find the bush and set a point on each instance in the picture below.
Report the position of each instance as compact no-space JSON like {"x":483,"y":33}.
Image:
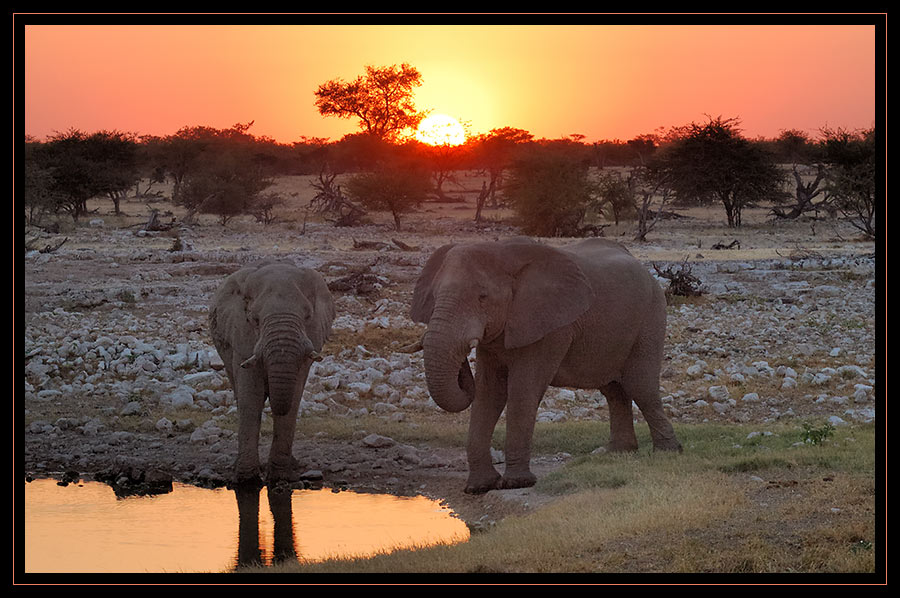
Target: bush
{"x":397,"y":186}
{"x":550,"y":191}
{"x":227,"y":184}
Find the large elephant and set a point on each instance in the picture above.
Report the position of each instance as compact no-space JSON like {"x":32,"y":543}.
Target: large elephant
{"x":586,"y":316}
{"x":268,"y":321}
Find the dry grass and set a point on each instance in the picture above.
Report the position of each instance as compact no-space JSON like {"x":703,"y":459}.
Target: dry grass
{"x":376,"y":340}
{"x":771,"y":507}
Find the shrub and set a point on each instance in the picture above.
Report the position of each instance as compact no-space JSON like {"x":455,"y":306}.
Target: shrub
{"x":397,"y":186}
{"x":550,"y":191}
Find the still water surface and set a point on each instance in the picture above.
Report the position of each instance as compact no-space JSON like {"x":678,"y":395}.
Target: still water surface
{"x":86,"y":528}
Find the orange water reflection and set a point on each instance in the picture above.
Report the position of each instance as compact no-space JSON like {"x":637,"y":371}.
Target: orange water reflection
{"x":87,"y":529}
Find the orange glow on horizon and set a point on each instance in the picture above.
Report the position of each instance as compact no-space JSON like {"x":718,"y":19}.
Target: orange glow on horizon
{"x":600,"y":81}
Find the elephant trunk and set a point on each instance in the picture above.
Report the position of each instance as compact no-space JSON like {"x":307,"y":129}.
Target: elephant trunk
{"x":285,"y":350}
{"x":447,"y":371}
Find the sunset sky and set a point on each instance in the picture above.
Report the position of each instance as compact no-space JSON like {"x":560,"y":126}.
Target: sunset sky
{"x":600,"y":81}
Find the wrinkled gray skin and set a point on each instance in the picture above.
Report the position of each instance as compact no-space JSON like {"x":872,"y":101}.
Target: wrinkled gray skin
{"x":268,"y":321}
{"x":585,"y":316}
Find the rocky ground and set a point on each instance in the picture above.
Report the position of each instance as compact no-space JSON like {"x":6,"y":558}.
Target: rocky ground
{"x":121,"y":381}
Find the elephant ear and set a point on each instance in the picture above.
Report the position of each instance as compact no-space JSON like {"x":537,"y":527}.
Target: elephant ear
{"x":316,"y":291}
{"x":423,"y":295}
{"x":550,"y":291}
{"x":227,"y":311}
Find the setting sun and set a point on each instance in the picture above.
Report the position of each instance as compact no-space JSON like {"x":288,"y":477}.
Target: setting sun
{"x":440,"y":129}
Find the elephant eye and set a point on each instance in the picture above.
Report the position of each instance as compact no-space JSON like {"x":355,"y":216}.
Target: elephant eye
{"x":482,"y":296}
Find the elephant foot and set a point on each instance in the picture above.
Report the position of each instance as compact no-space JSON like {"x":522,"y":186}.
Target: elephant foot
{"x":283,"y":469}
{"x":671,"y":446}
{"x":247,"y":479}
{"x":525,"y":479}
{"x":622,"y":447}
{"x":282,"y":474}
{"x":479,"y":484}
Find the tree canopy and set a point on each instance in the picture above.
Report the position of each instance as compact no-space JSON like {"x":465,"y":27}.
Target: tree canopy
{"x":714,"y":162}
{"x":382,"y":100}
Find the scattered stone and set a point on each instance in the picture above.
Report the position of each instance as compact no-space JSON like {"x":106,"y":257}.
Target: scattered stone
{"x":376,"y":441}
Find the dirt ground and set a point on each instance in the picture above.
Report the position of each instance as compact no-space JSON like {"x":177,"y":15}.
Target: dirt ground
{"x":110,"y":280}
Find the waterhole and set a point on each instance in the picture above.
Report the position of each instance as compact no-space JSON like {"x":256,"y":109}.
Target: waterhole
{"x":86,"y":528}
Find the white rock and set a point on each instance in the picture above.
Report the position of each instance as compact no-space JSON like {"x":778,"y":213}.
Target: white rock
{"x":861,"y":393}
{"x":131,"y":408}
{"x":183,"y":396}
{"x":851,"y":371}
{"x":361,"y":388}
{"x":198,"y":378}
{"x":696,"y":369}
{"x":866,"y":415}
{"x":377,"y":441}
{"x":721,"y":407}
{"x":789,"y":372}
{"x":820,"y":379}
{"x":565,"y":394}
{"x":718,"y":393}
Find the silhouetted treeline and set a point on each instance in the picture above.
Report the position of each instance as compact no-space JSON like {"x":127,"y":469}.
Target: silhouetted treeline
{"x":227,"y":171}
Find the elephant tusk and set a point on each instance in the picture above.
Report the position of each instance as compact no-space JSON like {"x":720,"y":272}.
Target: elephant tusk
{"x":473,"y":343}
{"x":412,"y":348}
{"x":250,"y":361}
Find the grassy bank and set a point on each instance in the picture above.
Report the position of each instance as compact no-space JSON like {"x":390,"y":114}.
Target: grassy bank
{"x":767,"y":498}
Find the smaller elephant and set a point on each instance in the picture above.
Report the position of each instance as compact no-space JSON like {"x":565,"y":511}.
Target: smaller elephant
{"x":268,"y":322}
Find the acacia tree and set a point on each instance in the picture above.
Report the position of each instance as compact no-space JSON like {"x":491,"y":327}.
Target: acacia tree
{"x":851,"y":159}
{"x":382,"y":100}
{"x":650,"y":183}
{"x":116,"y":155}
{"x":79,"y":167}
{"x":797,"y":149}
{"x":495,"y":152}
{"x":37,"y":187}
{"x":616,"y":194}
{"x":713,"y":162}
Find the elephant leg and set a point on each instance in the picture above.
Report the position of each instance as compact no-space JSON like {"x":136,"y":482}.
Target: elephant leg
{"x":281,"y":459}
{"x":640,"y":382}
{"x":529,"y":376}
{"x":249,"y":394}
{"x":490,"y":398}
{"x":621,"y":419}
{"x":524,"y":397}
{"x":645,"y":393}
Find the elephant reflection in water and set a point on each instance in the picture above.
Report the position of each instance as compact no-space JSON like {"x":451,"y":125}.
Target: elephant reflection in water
{"x":250,"y":553}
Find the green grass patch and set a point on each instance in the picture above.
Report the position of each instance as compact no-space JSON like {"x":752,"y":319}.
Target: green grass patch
{"x":704,"y":510}
{"x":448,"y":430}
